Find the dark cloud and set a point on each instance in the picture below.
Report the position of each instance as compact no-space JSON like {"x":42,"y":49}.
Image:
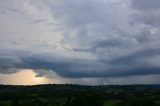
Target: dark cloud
{"x":138,"y":55}
{"x":104,"y":44}
{"x":131,"y":65}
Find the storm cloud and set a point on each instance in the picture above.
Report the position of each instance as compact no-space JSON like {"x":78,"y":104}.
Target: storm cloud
{"x":81,"y":38}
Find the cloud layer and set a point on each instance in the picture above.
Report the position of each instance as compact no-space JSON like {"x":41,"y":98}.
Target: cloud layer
{"x":81,"y":38}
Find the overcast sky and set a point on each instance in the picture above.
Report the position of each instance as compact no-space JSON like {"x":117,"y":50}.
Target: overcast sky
{"x":82,"y":41}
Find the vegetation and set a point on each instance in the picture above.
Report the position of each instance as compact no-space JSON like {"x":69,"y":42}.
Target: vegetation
{"x":79,"y":95}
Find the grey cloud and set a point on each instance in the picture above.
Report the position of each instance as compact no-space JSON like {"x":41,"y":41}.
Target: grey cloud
{"x":147,"y":12}
{"x":146,"y":5}
{"x":132,"y":58}
{"x":100,"y":29}
{"x":3,"y":12}
{"x":81,"y":12}
{"x":147,"y":18}
{"x":104,"y":44}
{"x":126,"y":66}
{"x":95,"y":23}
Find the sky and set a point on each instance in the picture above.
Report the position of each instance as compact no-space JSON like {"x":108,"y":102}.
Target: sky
{"x":79,"y":41}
